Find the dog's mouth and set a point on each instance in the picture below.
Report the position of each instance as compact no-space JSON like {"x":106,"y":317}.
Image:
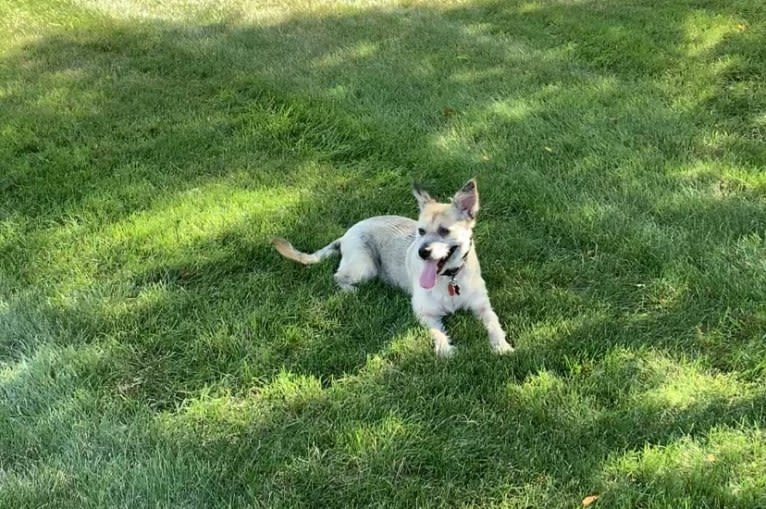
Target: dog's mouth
{"x":432,"y":269}
{"x":441,"y":263}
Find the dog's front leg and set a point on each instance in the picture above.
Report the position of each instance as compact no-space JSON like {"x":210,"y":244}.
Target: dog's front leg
{"x":442,"y":346}
{"x":486,"y":314}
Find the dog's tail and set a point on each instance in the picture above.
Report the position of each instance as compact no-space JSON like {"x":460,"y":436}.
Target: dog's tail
{"x":288,"y":251}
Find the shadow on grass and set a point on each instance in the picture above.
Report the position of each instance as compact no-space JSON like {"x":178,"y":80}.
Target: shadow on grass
{"x":617,"y":250}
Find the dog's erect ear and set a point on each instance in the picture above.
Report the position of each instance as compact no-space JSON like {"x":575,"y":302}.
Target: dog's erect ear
{"x":467,"y":199}
{"x":422,"y":196}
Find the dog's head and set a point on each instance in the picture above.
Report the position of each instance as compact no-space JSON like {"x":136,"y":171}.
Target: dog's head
{"x":445,"y":231}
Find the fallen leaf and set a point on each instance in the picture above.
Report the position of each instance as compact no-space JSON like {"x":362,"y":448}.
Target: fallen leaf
{"x":710,"y":458}
{"x":589,"y":500}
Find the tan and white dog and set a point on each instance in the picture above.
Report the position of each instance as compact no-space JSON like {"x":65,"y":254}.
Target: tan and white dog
{"x":433,"y":259}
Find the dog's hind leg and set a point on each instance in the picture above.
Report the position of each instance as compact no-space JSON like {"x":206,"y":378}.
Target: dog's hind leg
{"x":354,"y":270}
{"x":356,"y":265}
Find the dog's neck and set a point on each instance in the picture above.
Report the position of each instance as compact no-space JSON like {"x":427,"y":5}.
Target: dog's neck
{"x":453,"y":271}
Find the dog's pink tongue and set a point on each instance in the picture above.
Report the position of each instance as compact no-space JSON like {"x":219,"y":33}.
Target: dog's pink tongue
{"x":428,"y":276}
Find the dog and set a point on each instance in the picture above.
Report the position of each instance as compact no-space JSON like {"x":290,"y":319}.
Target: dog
{"x":433,"y":259}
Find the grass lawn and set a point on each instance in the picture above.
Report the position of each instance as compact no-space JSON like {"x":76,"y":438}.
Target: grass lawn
{"x":155,"y":351}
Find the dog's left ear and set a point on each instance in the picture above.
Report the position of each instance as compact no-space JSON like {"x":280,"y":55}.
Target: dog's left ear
{"x":421,"y":196}
{"x":467,"y":199}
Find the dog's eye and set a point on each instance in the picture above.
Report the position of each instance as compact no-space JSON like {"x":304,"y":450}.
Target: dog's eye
{"x":421,"y":232}
{"x":442,"y":231}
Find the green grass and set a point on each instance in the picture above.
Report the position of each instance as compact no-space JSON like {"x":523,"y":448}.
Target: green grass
{"x":154,"y":351}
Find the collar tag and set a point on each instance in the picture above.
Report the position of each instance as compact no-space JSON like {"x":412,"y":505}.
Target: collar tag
{"x":453,"y":288}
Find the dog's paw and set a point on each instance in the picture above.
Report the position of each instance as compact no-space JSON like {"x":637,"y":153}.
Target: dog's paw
{"x":444,"y":350}
{"x":502,"y":348}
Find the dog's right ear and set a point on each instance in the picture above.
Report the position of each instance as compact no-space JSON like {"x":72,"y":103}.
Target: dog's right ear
{"x":421,"y":196}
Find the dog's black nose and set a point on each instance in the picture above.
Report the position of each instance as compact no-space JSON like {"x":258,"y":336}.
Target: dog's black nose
{"x":424,"y":252}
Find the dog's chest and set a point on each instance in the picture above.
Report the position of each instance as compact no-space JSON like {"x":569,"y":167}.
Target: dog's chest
{"x":440,"y":300}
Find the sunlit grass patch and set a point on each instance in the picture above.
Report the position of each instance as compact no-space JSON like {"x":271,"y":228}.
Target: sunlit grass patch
{"x":721,"y":467}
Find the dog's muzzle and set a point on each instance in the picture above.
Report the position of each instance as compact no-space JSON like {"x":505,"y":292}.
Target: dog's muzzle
{"x":435,"y":257}
{"x":425,"y":252}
